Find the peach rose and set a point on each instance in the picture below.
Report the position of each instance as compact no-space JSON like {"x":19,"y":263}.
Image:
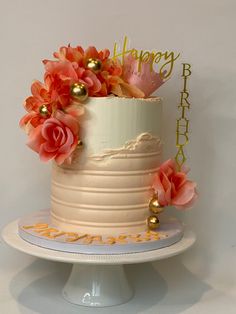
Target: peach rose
{"x":56,"y":138}
{"x":173,"y":187}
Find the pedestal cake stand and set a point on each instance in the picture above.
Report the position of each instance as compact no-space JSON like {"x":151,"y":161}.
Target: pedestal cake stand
{"x":96,"y":280}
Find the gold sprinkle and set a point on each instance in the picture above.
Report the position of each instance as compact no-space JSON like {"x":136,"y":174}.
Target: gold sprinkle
{"x":53,"y":230}
{"x":97,"y":238}
{"x":151,"y":232}
{"x":49,"y":236}
{"x":138,"y":240}
{"x":121,"y":241}
{"x":88,"y":240}
{"x":134,"y":236}
{"x":41,"y":226}
{"x":28,"y":227}
{"x":147,"y":238}
{"x":46,"y":234}
{"x":59,"y":234}
{"x":72,"y":234}
{"x":46,"y":230}
{"x":76,"y":238}
{"x":122,"y":236}
{"x":111,"y":240}
{"x":41,"y":230}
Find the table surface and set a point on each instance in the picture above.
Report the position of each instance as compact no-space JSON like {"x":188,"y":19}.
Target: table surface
{"x":10,"y":235}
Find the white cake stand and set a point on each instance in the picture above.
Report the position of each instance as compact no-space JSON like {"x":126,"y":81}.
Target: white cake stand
{"x":96,"y":280}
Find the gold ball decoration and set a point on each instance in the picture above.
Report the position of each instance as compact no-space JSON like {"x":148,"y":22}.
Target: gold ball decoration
{"x":79,"y":91}
{"x":43,"y":110}
{"x":154,"y":206}
{"x":94,"y":65}
{"x":153,"y":222}
{"x":80,"y":143}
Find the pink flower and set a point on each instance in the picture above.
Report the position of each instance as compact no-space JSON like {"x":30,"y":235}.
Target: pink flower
{"x":56,"y":138}
{"x":61,"y":74}
{"x":80,"y":56}
{"x":173,"y":187}
{"x":71,"y":54}
{"x":146,"y":80}
{"x":71,"y":67}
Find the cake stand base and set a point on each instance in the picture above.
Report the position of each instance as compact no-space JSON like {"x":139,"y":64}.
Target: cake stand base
{"x":97,"y":285}
{"x":96,"y":280}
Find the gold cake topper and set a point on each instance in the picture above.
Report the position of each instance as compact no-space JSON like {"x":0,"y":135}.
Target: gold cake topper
{"x":164,"y":59}
{"x":182,"y":125}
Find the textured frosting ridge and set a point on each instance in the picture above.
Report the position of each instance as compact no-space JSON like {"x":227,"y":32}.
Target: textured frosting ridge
{"x":144,"y":143}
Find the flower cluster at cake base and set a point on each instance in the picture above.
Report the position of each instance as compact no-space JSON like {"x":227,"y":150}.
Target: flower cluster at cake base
{"x":171,"y":187}
{"x":55,"y":108}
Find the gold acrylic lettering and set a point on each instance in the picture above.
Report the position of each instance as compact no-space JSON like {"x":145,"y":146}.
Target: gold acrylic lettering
{"x":164,"y":60}
{"x":182,"y":125}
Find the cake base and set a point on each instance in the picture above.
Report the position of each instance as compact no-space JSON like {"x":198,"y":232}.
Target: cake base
{"x":90,"y":271}
{"x":38,"y":229}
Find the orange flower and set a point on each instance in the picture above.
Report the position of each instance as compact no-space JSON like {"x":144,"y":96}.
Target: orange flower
{"x":80,"y":56}
{"x":110,"y":76}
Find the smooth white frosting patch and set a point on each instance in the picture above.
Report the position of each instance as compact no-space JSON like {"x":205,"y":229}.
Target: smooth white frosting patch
{"x":144,"y":143}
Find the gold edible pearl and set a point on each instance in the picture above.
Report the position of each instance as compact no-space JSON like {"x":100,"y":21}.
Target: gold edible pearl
{"x":43,"y":110}
{"x":94,"y":65}
{"x":153,"y":222}
{"x":80,"y":143}
{"x":154,"y":206}
{"x":79,"y":91}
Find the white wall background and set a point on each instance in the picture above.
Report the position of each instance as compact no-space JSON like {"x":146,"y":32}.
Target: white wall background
{"x":203,"y":279}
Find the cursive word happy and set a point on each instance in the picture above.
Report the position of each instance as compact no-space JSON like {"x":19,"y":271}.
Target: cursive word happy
{"x":165,"y":60}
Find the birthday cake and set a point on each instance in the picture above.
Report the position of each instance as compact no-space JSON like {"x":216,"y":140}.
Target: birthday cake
{"x":96,"y":119}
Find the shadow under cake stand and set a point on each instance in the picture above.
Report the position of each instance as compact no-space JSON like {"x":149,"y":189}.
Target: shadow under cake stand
{"x":96,"y":280}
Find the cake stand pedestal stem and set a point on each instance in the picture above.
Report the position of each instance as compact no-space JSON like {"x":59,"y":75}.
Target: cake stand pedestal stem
{"x":97,"y":285}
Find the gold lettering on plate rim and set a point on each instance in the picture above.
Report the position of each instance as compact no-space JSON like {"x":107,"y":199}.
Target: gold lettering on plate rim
{"x":44,"y":230}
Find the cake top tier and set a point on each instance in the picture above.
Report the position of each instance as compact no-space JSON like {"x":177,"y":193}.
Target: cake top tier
{"x":56,"y":106}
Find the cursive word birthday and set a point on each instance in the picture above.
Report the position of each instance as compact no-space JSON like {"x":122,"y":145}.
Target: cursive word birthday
{"x":165,"y":60}
{"x":182,"y":126}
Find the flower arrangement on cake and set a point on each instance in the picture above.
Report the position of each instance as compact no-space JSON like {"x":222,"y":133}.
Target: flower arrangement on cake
{"x":56,"y":108}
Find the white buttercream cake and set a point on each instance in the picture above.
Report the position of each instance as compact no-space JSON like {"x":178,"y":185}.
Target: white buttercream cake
{"x":94,"y":117}
{"x":107,"y":188}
